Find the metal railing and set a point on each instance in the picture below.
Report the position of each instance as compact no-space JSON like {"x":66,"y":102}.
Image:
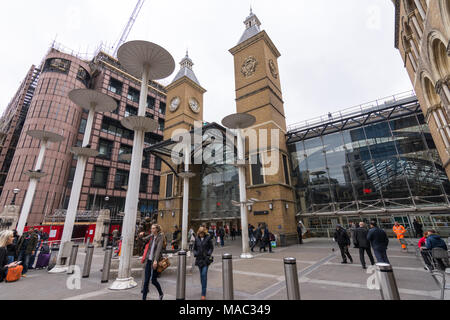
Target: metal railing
{"x":356,"y":110}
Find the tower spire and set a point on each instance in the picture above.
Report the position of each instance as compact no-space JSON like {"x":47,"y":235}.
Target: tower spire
{"x":252,"y":24}
{"x":186,"y":69}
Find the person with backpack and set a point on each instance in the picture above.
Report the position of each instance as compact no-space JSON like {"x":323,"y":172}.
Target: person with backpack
{"x":6,"y":238}
{"x":343,"y":240}
{"x":203,"y":250}
{"x":25,"y":248}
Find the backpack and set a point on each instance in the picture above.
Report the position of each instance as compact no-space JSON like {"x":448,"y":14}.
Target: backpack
{"x":45,"y":249}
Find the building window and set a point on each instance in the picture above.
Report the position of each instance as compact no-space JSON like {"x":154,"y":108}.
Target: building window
{"x":83,"y":124}
{"x":162,"y":108}
{"x":257,"y":172}
{"x":105,"y":149}
{"x":286,"y":170}
{"x":133,"y":95}
{"x":169,"y":186}
{"x":144,"y":183}
{"x":131,"y":111}
{"x":114,"y":127}
{"x":100,"y":177}
{"x":145,"y":160}
{"x":158,"y":164}
{"x":84,"y":76}
{"x":124,"y":149}
{"x":161,"y":124}
{"x":156,"y":184}
{"x":121,"y":179}
{"x":57,"y":65}
{"x":115,"y":86}
{"x":151,"y":103}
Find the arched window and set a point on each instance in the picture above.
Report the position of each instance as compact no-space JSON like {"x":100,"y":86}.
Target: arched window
{"x":445,"y":9}
{"x":439,"y":58}
{"x":430,"y":92}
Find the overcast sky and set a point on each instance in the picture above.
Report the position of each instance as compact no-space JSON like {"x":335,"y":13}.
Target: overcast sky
{"x":334,"y":54}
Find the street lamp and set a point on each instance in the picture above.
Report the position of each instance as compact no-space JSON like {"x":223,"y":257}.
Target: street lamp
{"x":15,"y":191}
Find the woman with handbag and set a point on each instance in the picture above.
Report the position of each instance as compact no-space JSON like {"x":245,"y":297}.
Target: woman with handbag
{"x":6,"y":238}
{"x":152,"y":255}
{"x":203,"y":249}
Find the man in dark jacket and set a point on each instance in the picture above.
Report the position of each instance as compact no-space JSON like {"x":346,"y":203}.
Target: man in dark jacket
{"x":343,"y":240}
{"x":418,"y":229}
{"x":379,"y":241}
{"x":361,"y":242}
{"x":25,"y":248}
{"x":258,"y":237}
{"x":435,"y":241}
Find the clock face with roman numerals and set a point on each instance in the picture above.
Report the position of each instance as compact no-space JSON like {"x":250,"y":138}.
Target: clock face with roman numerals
{"x":194,"y":105}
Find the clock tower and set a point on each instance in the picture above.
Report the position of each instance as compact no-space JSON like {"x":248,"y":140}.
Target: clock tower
{"x":185,"y":106}
{"x":258,"y":93}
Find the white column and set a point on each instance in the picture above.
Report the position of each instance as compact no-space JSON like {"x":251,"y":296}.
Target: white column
{"x":77,"y":184}
{"x":417,"y":26}
{"x":243,"y":198}
{"x":420,"y":8}
{"x":438,"y":123}
{"x":124,"y":279}
{"x":184,"y":225}
{"x":31,"y":191}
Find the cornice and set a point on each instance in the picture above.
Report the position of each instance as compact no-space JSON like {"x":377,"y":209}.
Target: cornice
{"x":188,"y":81}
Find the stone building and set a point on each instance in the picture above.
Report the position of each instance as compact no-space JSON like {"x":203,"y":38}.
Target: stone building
{"x":422,"y":33}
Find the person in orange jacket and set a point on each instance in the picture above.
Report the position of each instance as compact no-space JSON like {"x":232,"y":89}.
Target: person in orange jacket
{"x":400,"y":231}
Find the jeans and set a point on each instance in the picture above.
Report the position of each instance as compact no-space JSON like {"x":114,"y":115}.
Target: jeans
{"x":25,"y":258}
{"x":369,"y":254}
{"x":204,"y":279}
{"x":152,"y":274}
{"x":381,"y":256}
{"x":345,"y":253}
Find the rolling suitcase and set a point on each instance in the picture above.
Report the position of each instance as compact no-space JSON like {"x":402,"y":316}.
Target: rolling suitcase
{"x":43,"y":260}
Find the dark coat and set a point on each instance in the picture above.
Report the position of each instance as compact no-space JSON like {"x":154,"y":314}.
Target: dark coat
{"x":417,"y":227}
{"x":31,"y":243}
{"x":342,"y":237}
{"x":265,"y":238}
{"x":378,"y":239}
{"x":258,"y":234}
{"x":3,"y":263}
{"x":203,"y":250}
{"x":435,"y":241}
{"x":360,"y":238}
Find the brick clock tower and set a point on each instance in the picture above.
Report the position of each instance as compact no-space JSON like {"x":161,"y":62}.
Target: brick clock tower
{"x":185,"y":102}
{"x":258,"y":93}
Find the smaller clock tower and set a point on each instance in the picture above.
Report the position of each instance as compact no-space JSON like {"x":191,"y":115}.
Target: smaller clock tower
{"x":185,"y":106}
{"x":185,"y":99}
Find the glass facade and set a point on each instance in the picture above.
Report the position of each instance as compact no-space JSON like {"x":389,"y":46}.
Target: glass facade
{"x":391,"y":165}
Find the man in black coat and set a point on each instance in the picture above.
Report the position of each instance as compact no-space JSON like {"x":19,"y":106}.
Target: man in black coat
{"x":379,"y":241}
{"x":343,"y":240}
{"x":361,"y":242}
{"x":418,"y":229}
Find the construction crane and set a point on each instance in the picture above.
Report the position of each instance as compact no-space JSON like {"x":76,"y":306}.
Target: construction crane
{"x":127,"y":30}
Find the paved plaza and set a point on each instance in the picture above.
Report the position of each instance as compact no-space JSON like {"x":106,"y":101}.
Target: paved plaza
{"x":322,"y":277}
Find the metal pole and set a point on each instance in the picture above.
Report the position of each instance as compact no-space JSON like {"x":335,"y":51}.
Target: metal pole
{"x":88,"y":261}
{"x":181,"y":276}
{"x":292,"y":286}
{"x":227,"y":276}
{"x":184,"y":226}
{"x":107,"y":264}
{"x":388,"y":285}
{"x":73,"y":259}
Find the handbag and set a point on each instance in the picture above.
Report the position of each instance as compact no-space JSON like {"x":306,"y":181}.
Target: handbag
{"x":210,"y":260}
{"x":14,"y":274}
{"x":163,"y":264}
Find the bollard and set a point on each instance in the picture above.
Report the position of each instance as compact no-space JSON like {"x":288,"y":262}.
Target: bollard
{"x":106,"y":264}
{"x":181,"y":276}
{"x":53,"y":256}
{"x":88,"y":261}
{"x":227,"y":276}
{"x":290,"y":271}
{"x":73,"y":259}
{"x":386,"y":279}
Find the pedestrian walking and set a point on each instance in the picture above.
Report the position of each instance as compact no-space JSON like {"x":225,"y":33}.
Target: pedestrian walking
{"x":379,"y":242}
{"x":257,"y":237}
{"x":418,"y":229}
{"x":36,"y":249}
{"x":233,"y":233}
{"x":203,"y":250}
{"x":426,"y":254}
{"x":251,"y":235}
{"x":176,"y":238}
{"x":343,"y":240}
{"x":191,"y":238}
{"x":400,"y":231}
{"x":25,"y":248}
{"x":6,"y":238}
{"x":301,"y":230}
{"x":363,"y":244}
{"x":221,"y":234}
{"x":152,"y":254}
{"x":352,"y":233}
